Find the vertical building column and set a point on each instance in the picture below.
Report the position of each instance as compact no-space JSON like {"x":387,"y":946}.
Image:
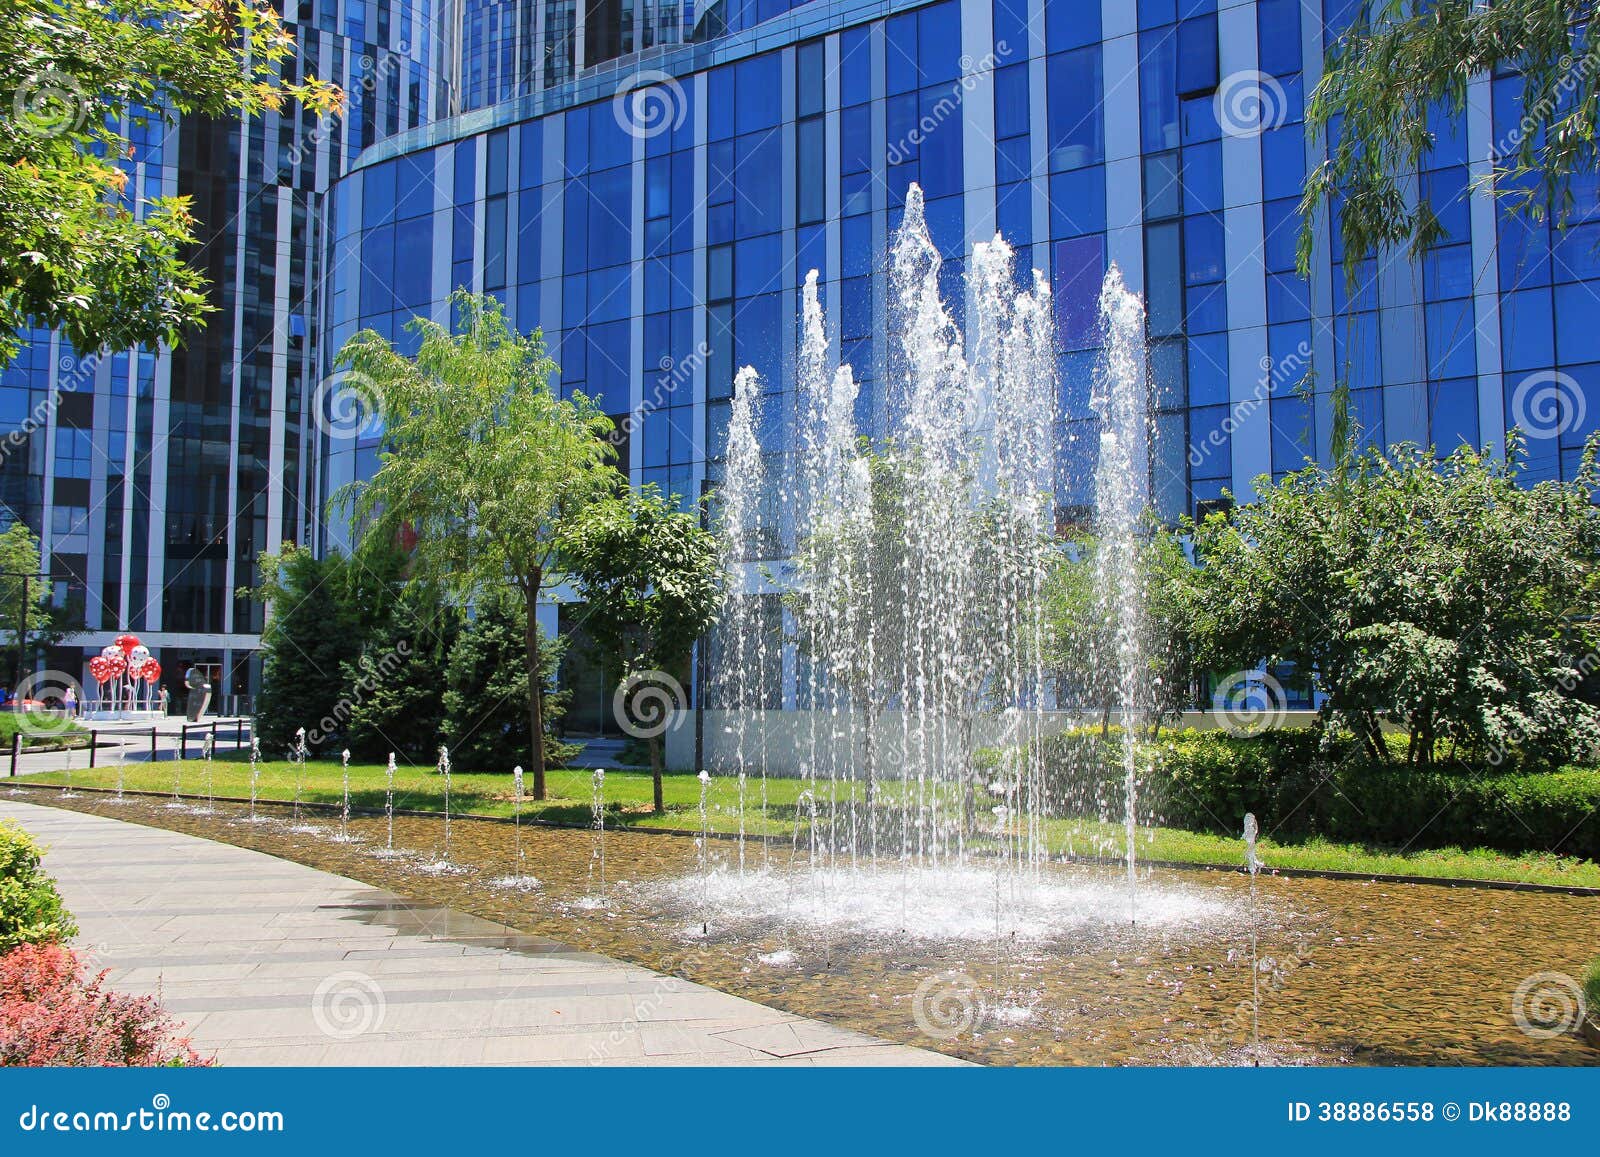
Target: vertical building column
{"x":1244,"y":230}
{"x":1486,"y":263}
{"x":1119,"y":22}
{"x":636,"y":366}
{"x":976,"y":93}
{"x":280,"y":378}
{"x":1039,"y":135}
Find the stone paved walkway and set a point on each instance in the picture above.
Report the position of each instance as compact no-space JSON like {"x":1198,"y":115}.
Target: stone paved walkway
{"x":271,"y":963}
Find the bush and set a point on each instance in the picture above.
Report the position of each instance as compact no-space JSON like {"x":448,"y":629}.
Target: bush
{"x":53,"y":1013}
{"x":1302,"y":783}
{"x":31,"y":911}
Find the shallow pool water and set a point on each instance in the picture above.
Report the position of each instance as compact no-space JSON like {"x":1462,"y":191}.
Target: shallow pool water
{"x":992,"y":967}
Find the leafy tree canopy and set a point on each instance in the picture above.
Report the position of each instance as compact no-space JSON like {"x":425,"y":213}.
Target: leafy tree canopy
{"x":1441,"y":595}
{"x":1400,"y":74}
{"x":82,"y":251}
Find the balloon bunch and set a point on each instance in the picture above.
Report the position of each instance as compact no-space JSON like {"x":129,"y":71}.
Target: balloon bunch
{"x":121,"y":667}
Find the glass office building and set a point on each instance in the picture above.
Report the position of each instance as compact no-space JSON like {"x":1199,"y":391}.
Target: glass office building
{"x":155,"y":478}
{"x":657,"y":216}
{"x":649,"y":181}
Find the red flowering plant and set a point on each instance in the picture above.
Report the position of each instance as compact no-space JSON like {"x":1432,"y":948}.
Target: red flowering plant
{"x":52,"y":1012}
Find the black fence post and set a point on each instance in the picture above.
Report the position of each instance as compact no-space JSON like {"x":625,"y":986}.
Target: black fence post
{"x":183,"y":742}
{"x":153,"y":755}
{"x":94,"y":739}
{"x":16,"y":750}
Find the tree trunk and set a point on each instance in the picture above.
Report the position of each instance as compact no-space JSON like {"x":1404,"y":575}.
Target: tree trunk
{"x":655,"y":773}
{"x":535,"y":686}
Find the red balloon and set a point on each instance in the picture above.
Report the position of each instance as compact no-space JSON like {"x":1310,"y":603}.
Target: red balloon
{"x":127,"y":642}
{"x":151,"y":671}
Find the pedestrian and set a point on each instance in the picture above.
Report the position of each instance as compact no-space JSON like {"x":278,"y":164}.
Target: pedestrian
{"x":166,"y":698}
{"x":69,"y":701}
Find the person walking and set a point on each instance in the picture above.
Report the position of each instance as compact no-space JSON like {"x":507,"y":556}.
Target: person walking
{"x":69,"y":701}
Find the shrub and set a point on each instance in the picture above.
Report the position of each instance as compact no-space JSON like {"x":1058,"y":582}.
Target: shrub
{"x":31,"y":911}
{"x":53,"y":1013}
{"x":1303,"y":783}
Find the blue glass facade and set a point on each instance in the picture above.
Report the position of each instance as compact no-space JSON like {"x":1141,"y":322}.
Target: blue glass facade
{"x":1166,"y":136}
{"x":650,"y":180}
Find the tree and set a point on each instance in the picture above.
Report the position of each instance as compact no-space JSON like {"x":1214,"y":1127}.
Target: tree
{"x":649,"y":573}
{"x":1080,"y":633}
{"x":396,"y":687}
{"x":486,"y":689}
{"x":1401,"y":72}
{"x":1444,"y":596}
{"x":319,"y":613}
{"x":19,"y":556}
{"x":82,"y":253}
{"x":480,"y":465}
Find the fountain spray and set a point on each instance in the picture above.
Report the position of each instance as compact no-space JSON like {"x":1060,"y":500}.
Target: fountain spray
{"x":444,"y":770}
{"x":597,"y":808}
{"x":299,"y":769}
{"x":388,"y":800}
{"x":255,"y":773}
{"x":1253,"y":866}
{"x":344,"y":810}
{"x":209,"y":750}
{"x":516,"y":811}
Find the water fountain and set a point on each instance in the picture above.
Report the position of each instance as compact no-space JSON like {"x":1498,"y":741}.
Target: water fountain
{"x":255,"y":775}
{"x":299,"y":772}
{"x":442,"y":866}
{"x":597,"y":809}
{"x":518,"y":879}
{"x":344,"y":807}
{"x":917,"y":563}
{"x":208,"y":749}
{"x":388,"y":851}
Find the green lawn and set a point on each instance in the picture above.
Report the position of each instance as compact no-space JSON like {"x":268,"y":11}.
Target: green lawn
{"x":47,"y":729}
{"x":627,"y":796}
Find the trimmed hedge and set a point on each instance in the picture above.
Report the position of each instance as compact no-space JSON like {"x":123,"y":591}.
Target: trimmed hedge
{"x":1299,"y":787}
{"x":31,"y":911}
